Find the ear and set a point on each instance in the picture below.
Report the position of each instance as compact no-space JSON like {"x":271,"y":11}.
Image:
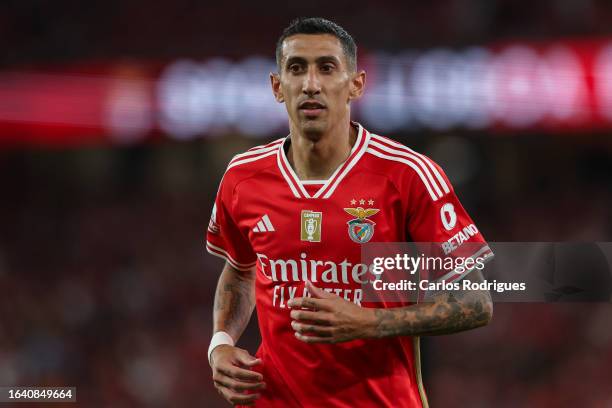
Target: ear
{"x":357,"y":85}
{"x":276,"y":87}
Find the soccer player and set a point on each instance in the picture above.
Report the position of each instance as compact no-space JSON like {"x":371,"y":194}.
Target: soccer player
{"x":290,"y":218}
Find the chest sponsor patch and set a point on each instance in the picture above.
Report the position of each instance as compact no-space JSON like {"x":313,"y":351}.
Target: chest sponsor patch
{"x":311,"y":223}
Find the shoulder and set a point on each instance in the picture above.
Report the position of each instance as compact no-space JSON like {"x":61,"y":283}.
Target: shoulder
{"x":406,"y":166}
{"x":247,"y":164}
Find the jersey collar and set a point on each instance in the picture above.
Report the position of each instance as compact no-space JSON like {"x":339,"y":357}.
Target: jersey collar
{"x":327,"y":189}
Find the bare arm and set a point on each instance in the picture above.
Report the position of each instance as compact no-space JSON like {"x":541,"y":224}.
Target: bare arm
{"x":449,"y":312}
{"x":234,"y":303}
{"x":331,"y":319}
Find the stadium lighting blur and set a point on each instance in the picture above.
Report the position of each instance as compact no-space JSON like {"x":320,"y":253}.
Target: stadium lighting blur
{"x":217,"y":96}
{"x":387,"y":104}
{"x":562,"y":78}
{"x":603,"y":83}
{"x":128,"y":111}
{"x":515,"y":87}
{"x":518,"y":101}
{"x":560,"y":86}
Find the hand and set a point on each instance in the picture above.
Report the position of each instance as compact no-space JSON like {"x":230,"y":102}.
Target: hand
{"x":232,"y":376}
{"x":330,"y":318}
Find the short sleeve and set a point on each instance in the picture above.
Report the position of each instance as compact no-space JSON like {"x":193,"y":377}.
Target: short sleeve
{"x":224,"y":238}
{"x":442,"y":228}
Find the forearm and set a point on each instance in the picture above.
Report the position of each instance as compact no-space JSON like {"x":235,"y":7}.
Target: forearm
{"x":234,"y":301}
{"x":450,"y":313}
{"x":327,"y":318}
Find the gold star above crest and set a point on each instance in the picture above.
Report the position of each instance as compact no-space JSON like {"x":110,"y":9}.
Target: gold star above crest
{"x":370,"y":202}
{"x":361,"y":202}
{"x":353,"y":201}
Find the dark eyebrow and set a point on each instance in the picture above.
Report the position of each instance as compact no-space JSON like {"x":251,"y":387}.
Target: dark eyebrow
{"x":328,"y":58}
{"x":300,"y":60}
{"x":294,"y":60}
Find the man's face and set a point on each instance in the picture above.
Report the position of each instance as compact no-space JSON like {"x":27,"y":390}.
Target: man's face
{"x":315,"y":82}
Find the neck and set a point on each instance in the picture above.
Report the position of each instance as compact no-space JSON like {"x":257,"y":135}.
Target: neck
{"x":317,"y":158}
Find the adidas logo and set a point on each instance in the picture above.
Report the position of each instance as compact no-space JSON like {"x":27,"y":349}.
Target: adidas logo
{"x":264,"y":225}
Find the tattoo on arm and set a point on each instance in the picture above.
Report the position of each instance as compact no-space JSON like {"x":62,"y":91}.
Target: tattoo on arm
{"x":450,"y":312}
{"x":234,"y":301}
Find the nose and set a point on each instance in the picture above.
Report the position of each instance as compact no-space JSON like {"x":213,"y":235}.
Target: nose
{"x":311,"y":85}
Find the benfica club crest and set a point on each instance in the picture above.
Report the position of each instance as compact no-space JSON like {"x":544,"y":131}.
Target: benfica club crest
{"x":361,"y":229}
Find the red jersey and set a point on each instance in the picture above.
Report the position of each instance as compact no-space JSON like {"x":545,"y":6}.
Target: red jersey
{"x":294,"y":230}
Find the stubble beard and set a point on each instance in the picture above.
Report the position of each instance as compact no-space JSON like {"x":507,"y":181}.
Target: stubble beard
{"x":313,"y":130}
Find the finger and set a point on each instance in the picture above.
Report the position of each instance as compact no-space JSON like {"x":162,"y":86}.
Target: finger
{"x":321,"y":331}
{"x":309,"y":303}
{"x":240,"y":373}
{"x":238,"y":386}
{"x":322,"y":318}
{"x":318,"y":292}
{"x":314,"y":339}
{"x":248,"y":360}
{"x":304,"y":302}
{"x":237,"y":398}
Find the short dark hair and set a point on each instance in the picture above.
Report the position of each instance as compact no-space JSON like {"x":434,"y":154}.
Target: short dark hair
{"x":318,"y":25}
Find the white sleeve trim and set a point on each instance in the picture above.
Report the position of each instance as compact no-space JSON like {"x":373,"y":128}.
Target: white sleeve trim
{"x":221,"y":253}
{"x":484,"y":252}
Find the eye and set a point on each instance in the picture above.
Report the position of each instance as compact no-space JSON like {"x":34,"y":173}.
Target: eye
{"x":294,"y":68}
{"x":327,"y":67}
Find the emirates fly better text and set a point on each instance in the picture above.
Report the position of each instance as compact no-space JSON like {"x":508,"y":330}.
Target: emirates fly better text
{"x":329,"y":275}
